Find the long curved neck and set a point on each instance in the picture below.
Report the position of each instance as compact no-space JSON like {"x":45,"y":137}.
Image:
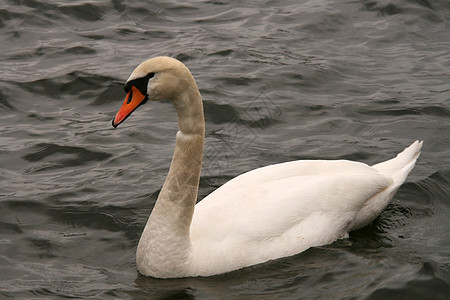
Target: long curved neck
{"x":166,"y":236}
{"x":181,"y":185}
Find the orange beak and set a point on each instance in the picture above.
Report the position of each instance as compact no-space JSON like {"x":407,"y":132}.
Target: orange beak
{"x":132,"y":101}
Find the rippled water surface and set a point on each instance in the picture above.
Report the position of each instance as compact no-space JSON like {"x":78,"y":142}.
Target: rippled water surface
{"x":281,"y":80}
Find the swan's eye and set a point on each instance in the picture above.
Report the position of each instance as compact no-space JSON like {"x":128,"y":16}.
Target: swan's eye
{"x":139,"y":83}
{"x":130,"y":97}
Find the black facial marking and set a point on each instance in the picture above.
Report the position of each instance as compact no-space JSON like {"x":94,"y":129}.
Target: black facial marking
{"x":139,"y":83}
{"x":130,"y":97}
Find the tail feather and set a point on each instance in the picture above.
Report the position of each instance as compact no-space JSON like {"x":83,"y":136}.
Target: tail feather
{"x":400,"y":166}
{"x":397,"y":169}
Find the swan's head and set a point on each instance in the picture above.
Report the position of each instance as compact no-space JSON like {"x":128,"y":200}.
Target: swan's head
{"x":158,"y":78}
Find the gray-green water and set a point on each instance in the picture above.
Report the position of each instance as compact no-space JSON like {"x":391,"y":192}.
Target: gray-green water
{"x":281,"y":80}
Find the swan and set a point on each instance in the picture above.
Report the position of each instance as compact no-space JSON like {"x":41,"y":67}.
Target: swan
{"x":264,"y":214}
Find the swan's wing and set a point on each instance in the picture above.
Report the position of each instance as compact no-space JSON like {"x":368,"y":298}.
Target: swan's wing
{"x":273,"y":201}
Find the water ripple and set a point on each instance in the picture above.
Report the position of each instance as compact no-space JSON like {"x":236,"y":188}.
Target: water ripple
{"x":53,"y":156}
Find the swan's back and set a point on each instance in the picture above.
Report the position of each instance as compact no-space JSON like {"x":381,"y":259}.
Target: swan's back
{"x":265,"y":202}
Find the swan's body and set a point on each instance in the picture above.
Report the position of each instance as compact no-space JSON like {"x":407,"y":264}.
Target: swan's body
{"x":264,"y":214}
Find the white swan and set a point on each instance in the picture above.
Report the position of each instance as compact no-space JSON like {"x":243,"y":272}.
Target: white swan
{"x":264,"y":214}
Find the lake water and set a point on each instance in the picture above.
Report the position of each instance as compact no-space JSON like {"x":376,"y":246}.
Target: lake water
{"x":281,"y":80}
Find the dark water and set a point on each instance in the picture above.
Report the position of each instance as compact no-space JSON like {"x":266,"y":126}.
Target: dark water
{"x":281,"y":80}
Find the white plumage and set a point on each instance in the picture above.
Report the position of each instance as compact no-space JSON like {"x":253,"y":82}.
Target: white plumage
{"x":284,"y":209}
